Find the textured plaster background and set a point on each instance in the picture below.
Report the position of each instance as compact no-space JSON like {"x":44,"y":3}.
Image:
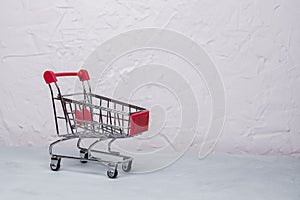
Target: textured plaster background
{"x":255,"y":45}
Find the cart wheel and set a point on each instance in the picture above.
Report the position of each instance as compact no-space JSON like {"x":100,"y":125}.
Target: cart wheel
{"x":55,"y":163}
{"x":112,"y":173}
{"x":126,"y":167}
{"x":83,"y":154}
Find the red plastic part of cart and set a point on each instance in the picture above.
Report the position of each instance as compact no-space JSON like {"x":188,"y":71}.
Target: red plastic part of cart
{"x":50,"y":76}
{"x":139,"y":122}
{"x":82,"y":116}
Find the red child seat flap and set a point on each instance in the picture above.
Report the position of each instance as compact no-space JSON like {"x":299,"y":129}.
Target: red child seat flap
{"x":82,"y":116}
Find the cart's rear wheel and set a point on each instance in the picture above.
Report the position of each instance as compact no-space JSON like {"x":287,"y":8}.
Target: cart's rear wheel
{"x":84,"y":155}
{"x":126,"y":167}
{"x":112,"y":173}
{"x":55,"y":163}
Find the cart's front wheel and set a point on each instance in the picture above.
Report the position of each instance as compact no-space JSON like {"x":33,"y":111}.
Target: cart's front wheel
{"x":112,"y":173}
{"x":126,"y":167}
{"x":83,"y":155}
{"x":55,"y":163}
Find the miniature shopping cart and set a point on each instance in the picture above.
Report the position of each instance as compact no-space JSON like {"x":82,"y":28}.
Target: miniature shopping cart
{"x":87,"y":115}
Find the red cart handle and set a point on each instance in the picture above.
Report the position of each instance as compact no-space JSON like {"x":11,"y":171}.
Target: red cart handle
{"x":50,"y":76}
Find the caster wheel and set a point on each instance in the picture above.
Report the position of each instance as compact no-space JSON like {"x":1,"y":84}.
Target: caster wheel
{"x":126,"y":167}
{"x":112,"y":173}
{"x":55,"y":163}
{"x":83,"y":154}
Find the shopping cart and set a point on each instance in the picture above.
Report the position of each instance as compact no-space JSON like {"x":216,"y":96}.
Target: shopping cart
{"x":87,"y":115}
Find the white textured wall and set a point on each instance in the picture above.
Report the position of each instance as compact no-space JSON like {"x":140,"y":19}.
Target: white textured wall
{"x":255,"y":44}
